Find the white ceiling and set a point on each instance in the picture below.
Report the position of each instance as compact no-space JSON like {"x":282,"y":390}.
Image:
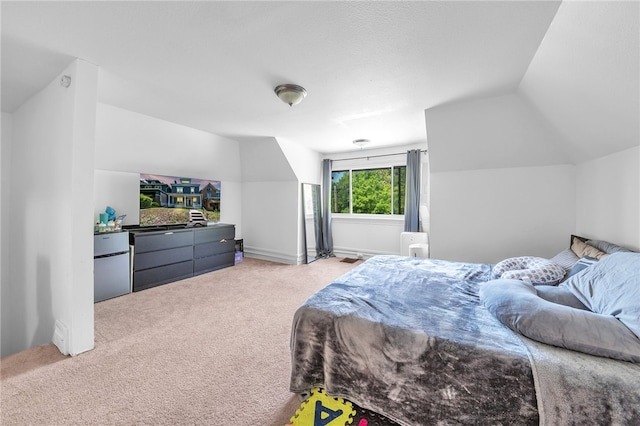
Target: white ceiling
{"x":370,"y":68}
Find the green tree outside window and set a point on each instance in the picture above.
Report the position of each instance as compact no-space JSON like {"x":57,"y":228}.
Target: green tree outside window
{"x":371,"y":191}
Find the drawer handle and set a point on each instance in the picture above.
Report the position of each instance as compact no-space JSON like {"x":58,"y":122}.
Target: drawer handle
{"x":223,"y":240}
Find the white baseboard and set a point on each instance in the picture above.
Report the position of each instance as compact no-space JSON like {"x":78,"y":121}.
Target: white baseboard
{"x":272,"y":256}
{"x":358,"y":252}
{"x":279,"y":257}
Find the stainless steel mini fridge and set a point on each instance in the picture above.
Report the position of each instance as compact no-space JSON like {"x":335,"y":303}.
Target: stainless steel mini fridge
{"x":110,"y":265}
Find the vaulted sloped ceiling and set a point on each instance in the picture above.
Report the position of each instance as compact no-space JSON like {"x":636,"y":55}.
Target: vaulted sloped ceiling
{"x":578,"y":100}
{"x":585,"y":77}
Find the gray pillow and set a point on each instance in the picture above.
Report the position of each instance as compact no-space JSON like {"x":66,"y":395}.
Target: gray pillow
{"x":517,"y":305}
{"x":606,"y":246}
{"x":566,"y":258}
{"x":559,"y":295}
{"x":611,"y":287}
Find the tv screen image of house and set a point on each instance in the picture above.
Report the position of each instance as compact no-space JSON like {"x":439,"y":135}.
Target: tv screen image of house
{"x":176,"y":199}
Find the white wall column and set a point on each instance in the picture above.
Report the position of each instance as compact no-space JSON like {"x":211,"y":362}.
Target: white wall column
{"x":49,"y":287}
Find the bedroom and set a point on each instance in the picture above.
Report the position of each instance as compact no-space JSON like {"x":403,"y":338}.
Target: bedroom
{"x":581,"y":139}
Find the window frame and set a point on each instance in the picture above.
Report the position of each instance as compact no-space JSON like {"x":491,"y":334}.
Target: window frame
{"x":368,"y":164}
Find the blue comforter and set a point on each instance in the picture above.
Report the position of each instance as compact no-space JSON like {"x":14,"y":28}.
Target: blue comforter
{"x":408,"y":338}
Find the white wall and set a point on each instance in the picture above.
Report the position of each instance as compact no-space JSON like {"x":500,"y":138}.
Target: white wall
{"x":608,"y":198}
{"x":271,"y":202}
{"x":49,"y":287}
{"x":118,"y":190}
{"x":6,"y":299}
{"x":500,"y":184}
{"x":271,"y":218}
{"x":366,"y":237}
{"x":490,"y":215}
{"x":501,"y":131}
{"x":128,"y":143}
{"x":307,"y":166}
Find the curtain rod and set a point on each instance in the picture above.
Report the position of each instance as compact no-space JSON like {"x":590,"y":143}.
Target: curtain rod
{"x":374,"y":156}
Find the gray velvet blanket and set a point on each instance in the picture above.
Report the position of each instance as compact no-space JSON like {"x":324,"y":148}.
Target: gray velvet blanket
{"x":408,"y":338}
{"x":580,"y":389}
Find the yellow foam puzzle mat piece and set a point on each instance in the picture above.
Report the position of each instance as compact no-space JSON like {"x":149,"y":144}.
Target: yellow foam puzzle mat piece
{"x":320,"y":409}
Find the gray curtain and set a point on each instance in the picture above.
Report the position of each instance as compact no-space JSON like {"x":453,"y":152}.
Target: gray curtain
{"x":326,"y":249}
{"x":412,"y":192}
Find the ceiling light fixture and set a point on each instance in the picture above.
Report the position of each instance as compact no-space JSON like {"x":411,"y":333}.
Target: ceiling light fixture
{"x":291,"y":94}
{"x":361,"y":142}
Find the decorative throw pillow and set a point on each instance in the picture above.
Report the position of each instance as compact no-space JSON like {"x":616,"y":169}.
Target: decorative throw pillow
{"x":518,"y":305}
{"x":582,"y":249}
{"x":611,"y":287}
{"x":534,"y":270}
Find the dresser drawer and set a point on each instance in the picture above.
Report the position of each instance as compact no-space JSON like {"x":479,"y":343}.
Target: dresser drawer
{"x":161,"y":275}
{"x":162,"y":240}
{"x":211,"y":263}
{"x":214,"y":234}
{"x":162,"y":257}
{"x":210,"y":249}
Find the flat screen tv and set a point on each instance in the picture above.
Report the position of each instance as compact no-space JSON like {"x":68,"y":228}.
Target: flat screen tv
{"x":166,"y":200}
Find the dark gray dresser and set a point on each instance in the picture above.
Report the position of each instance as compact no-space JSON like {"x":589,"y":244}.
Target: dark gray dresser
{"x":163,"y":255}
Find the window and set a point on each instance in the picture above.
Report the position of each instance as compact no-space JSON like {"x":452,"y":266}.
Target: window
{"x":369,"y":191}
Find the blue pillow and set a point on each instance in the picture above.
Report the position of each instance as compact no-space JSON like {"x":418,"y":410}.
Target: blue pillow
{"x":611,"y":286}
{"x":581,"y":264}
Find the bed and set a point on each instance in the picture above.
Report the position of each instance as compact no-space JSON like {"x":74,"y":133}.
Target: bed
{"x":427,"y":341}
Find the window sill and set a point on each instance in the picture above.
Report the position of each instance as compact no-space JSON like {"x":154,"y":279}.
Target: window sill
{"x":367,"y":218}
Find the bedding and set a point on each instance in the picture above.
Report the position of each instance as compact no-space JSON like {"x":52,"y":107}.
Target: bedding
{"x":410,"y":339}
{"x":406,"y":337}
{"x":611,"y":287}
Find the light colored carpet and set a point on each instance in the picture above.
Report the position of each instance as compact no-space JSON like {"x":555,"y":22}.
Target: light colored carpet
{"x":209,"y":350}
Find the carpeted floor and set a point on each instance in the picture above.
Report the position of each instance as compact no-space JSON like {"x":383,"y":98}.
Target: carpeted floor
{"x":209,"y":350}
